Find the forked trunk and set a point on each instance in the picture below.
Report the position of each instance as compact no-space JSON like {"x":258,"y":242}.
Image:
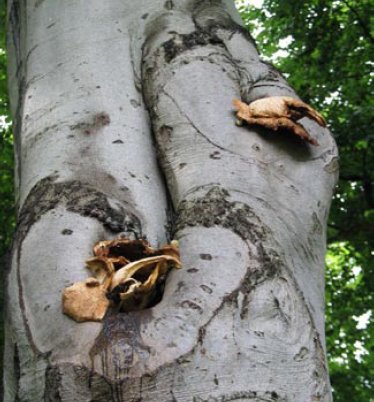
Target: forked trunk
{"x":103,"y":90}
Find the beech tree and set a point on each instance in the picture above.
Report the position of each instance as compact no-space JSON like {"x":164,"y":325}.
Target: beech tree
{"x":124,"y":125}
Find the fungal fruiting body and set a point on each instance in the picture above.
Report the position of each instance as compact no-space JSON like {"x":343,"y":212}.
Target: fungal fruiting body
{"x":127,"y":273}
{"x":279,"y":112}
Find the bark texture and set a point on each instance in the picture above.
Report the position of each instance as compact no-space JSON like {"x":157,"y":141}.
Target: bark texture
{"x":124,"y":124}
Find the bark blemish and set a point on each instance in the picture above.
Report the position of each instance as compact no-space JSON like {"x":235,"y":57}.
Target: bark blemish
{"x":192,"y":270}
{"x":92,"y":124}
{"x":77,"y":197}
{"x":215,"y":155}
{"x":52,"y":384}
{"x":17,"y":366}
{"x":169,"y":5}
{"x":183,"y":42}
{"x":332,"y":166}
{"x":206,"y":289}
{"x":214,"y":209}
{"x":206,"y":257}
{"x":67,"y":232}
{"x":134,"y":103}
{"x":192,"y":305}
{"x":165,"y":133}
{"x":120,"y":329}
{"x":301,"y":354}
{"x":117,"y":142}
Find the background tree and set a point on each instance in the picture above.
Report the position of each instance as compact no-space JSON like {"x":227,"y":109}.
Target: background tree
{"x":348,"y":289}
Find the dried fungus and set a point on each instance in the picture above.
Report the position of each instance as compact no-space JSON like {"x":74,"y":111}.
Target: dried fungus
{"x":127,"y":273}
{"x":279,"y":112}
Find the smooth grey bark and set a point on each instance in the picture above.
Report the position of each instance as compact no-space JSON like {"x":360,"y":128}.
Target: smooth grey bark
{"x":103,"y":90}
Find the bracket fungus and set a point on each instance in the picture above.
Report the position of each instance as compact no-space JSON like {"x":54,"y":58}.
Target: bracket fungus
{"x":127,"y":273}
{"x":278,"y":112}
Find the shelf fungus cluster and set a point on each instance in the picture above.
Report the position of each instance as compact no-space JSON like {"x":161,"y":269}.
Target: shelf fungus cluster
{"x":278,"y":112}
{"x":126,"y":273}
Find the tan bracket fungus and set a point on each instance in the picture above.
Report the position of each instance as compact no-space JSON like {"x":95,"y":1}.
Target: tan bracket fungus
{"x":279,"y":112}
{"x":127,"y":273}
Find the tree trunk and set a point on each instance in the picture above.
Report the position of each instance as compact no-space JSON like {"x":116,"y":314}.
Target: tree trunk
{"x":244,"y":319}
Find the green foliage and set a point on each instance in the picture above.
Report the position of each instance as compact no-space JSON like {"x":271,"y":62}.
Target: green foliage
{"x":326,"y":50}
{"x":7,"y":219}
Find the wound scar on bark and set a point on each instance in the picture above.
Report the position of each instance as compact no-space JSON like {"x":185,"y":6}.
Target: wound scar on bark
{"x":77,"y":197}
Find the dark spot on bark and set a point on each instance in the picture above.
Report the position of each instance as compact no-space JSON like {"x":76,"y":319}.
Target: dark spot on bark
{"x":192,"y":270}
{"x":47,"y":307}
{"x":164,"y":134}
{"x":132,"y":174}
{"x":117,"y":142}
{"x":303,"y":352}
{"x":201,"y":335}
{"x":182,"y":165}
{"x":173,"y":398}
{"x":98,"y":86}
{"x":180,"y":285}
{"x":144,"y":16}
{"x":134,"y":103}
{"x":180,"y":43}
{"x":169,"y":5}
{"x":67,"y":232}
{"x":206,"y":289}
{"x":215,"y":379}
{"x":207,"y":257}
{"x":17,"y":368}
{"x":52,"y":384}
{"x":244,"y":309}
{"x":215,"y":155}
{"x":192,"y":305}
{"x":85,"y":151}
{"x":111,"y":178}
{"x":38,"y":3}
{"x":171,"y":345}
{"x":51,"y":25}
